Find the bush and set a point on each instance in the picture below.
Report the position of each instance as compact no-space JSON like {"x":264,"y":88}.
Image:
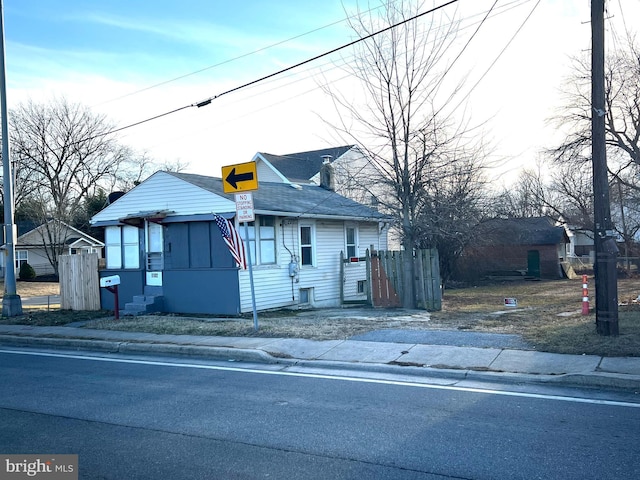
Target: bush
{"x":26,"y":272}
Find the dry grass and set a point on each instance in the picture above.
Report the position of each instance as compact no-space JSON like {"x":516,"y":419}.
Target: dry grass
{"x":36,"y":289}
{"x":548,"y":316}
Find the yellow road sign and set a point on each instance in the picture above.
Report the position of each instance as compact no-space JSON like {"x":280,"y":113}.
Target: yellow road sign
{"x":240,"y":177}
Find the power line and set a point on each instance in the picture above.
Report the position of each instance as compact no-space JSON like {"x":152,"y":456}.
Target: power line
{"x":499,"y":55}
{"x":504,"y":8}
{"x":207,"y":101}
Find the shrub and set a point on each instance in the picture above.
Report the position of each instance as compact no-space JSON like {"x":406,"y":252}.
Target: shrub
{"x":26,"y":272}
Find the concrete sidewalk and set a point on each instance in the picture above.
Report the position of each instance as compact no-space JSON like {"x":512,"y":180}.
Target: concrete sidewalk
{"x":496,"y":364}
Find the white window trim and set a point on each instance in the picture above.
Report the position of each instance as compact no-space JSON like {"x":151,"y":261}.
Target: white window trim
{"x":118,"y":245}
{"x":312,"y":227}
{"x":17,"y":258}
{"x":356,"y":238}
{"x":256,"y":253}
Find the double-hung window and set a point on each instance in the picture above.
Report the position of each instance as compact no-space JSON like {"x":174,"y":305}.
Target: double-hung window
{"x":22,"y":256}
{"x":261,"y":242}
{"x":351,"y":241}
{"x":122,"y":247}
{"x":307,"y":245}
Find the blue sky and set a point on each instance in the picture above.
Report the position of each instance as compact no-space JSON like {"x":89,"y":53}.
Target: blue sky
{"x":107,"y":55}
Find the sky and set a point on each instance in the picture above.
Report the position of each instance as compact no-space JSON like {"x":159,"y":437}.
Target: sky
{"x":135,"y":60}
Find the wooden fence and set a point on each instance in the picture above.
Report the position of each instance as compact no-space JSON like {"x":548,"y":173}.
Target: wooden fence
{"x":382,"y":274}
{"x":427,"y":291}
{"x":79,"y":289}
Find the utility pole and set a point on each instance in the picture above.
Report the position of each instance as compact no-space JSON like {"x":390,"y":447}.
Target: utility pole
{"x":11,"y":303}
{"x":604,"y":239}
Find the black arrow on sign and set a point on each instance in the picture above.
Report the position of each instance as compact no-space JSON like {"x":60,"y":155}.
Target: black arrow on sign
{"x":233,"y":178}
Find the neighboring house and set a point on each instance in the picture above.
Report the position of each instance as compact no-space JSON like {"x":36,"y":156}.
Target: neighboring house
{"x":523,"y":246}
{"x":36,"y":246}
{"x":354,"y":174}
{"x":581,"y":245}
{"x":163,"y":241}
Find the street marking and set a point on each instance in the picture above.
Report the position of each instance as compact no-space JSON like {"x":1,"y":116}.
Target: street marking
{"x":453,"y":388}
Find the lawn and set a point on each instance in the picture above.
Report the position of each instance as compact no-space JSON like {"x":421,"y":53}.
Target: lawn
{"x":547,"y":315}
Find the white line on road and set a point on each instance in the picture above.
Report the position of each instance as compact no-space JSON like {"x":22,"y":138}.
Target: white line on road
{"x":327,"y":377}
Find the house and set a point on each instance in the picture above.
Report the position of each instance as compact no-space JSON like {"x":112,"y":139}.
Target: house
{"x":40,"y":246}
{"x":581,"y":248}
{"x":521,"y":246}
{"x":163,"y":241}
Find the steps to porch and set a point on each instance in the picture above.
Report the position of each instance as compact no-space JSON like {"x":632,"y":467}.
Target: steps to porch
{"x":151,"y":301}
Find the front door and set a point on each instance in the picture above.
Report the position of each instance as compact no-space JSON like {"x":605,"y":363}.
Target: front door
{"x":533,"y":263}
{"x":154,"y":255}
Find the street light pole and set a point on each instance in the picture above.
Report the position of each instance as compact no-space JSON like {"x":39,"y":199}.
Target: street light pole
{"x":604,"y":237}
{"x":11,"y":303}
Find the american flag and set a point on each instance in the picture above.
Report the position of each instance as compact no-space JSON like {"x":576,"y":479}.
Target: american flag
{"x":233,"y":240}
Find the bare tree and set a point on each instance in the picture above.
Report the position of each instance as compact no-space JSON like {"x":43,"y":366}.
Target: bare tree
{"x":528,"y":196}
{"x":622,"y":114}
{"x":64,"y":160}
{"x":62,"y":154}
{"x":399,"y":123}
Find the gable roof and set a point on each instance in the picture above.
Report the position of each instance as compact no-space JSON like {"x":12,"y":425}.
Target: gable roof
{"x":73,"y":237}
{"x":284,"y":199}
{"x":520,"y":231}
{"x":301,"y":167}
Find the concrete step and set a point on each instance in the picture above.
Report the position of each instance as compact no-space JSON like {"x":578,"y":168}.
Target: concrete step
{"x":143,"y":304}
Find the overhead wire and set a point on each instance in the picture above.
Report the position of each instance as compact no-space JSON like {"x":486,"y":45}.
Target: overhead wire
{"x":345,"y":60}
{"x":208,"y":101}
{"x":230,"y":60}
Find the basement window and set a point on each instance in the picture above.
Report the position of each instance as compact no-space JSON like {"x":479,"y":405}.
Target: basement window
{"x":306,"y":296}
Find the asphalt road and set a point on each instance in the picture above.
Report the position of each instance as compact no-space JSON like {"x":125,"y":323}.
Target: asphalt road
{"x":142,"y":418}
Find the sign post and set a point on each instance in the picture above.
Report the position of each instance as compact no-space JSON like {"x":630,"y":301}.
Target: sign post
{"x":239,"y":179}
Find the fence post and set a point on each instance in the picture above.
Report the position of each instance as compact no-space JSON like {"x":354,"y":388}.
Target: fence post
{"x":341,"y":277}
{"x":369,"y":283}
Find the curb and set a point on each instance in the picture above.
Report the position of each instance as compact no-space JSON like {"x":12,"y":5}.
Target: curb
{"x":585,"y":380}
{"x":108,"y":346}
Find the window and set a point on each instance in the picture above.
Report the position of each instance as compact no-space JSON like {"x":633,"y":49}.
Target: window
{"x":306,"y":244}
{"x":122,"y":243}
{"x":22,"y":256}
{"x":131,"y":246}
{"x":351,"y":242}
{"x":306,"y":295}
{"x":265,"y":243}
{"x":267,"y":237}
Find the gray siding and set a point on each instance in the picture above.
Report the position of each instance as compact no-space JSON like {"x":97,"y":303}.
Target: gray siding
{"x":273,"y":285}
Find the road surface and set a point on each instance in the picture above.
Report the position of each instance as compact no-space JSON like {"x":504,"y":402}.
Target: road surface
{"x":138,"y":418}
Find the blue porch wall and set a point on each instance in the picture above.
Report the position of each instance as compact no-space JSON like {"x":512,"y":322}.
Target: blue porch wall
{"x":202,"y":291}
{"x":131,"y":283}
{"x":199,"y":275}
